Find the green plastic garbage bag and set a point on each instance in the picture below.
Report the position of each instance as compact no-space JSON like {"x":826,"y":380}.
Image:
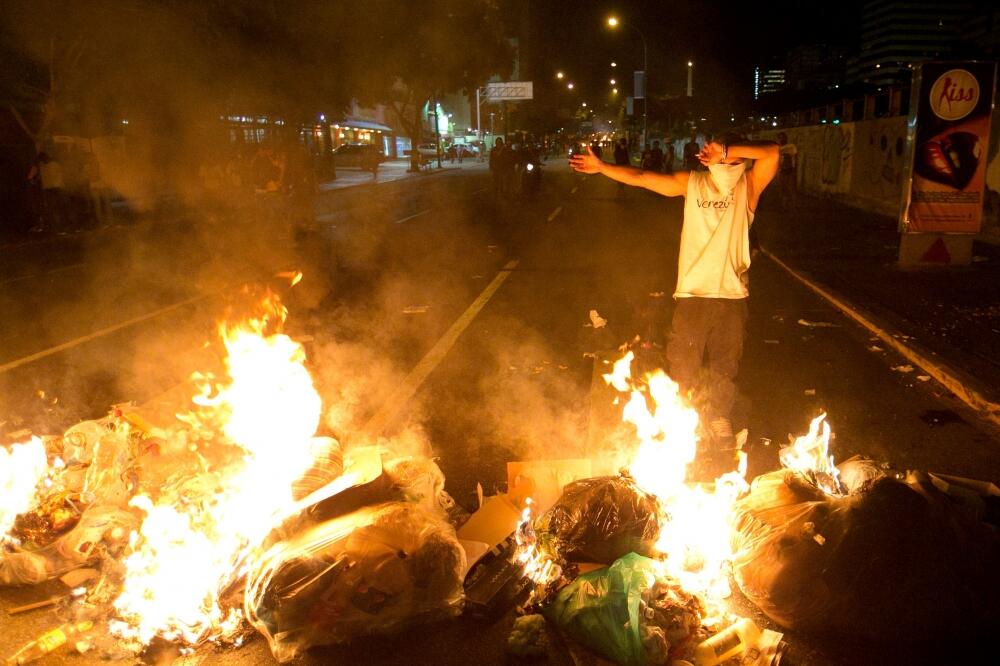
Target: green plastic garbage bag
{"x":607,"y":610}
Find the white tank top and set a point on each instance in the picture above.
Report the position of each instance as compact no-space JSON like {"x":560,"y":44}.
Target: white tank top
{"x":715,"y":240}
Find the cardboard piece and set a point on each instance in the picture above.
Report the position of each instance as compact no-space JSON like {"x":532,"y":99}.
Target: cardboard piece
{"x":543,"y":480}
{"x":495,"y":521}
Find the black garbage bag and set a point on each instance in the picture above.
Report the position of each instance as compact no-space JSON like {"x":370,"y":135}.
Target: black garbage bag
{"x":601,"y":519}
{"x":890,"y":560}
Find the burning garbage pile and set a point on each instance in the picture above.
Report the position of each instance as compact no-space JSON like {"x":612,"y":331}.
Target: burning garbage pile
{"x":238,"y":518}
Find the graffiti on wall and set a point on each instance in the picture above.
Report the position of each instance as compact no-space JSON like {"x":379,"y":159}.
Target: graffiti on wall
{"x":837,"y":140}
{"x":880,"y":156}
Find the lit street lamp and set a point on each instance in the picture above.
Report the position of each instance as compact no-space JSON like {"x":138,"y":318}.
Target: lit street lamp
{"x":614,"y":64}
{"x":559,"y":75}
{"x":612,"y":82}
{"x":613,"y":22}
{"x":690,"y":66}
{"x":569,"y":85}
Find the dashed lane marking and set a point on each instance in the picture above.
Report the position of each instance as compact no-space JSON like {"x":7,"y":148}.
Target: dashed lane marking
{"x":97,"y":334}
{"x":410,"y":217}
{"x":394,"y":405}
{"x":38,"y":275}
{"x":554,"y":213}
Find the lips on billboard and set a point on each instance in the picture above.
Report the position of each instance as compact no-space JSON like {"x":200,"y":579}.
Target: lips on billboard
{"x":951,"y":159}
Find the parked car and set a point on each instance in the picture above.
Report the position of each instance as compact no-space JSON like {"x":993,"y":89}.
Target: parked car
{"x":427,"y":149}
{"x":355,"y":155}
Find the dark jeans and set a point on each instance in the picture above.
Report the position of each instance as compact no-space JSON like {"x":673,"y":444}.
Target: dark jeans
{"x":712,"y":328}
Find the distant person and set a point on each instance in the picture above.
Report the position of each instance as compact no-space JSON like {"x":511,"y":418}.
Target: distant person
{"x":691,"y":151}
{"x":497,"y":158}
{"x":656,"y":158}
{"x":710,"y":313}
{"x":54,"y":202}
{"x":788,"y":171}
{"x":621,"y":159}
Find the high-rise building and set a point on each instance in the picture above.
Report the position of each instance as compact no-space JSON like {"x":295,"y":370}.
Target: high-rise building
{"x":767,"y":79}
{"x":895,"y":35}
{"x":816,"y":67}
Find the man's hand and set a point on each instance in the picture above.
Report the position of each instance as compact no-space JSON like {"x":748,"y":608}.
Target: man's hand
{"x":711,"y":153}
{"x":589,"y":163}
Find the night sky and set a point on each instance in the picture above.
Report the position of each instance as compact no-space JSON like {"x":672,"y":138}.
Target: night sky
{"x":723,"y":39}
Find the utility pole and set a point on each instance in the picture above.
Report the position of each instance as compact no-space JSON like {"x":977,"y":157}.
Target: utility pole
{"x":437,"y":133}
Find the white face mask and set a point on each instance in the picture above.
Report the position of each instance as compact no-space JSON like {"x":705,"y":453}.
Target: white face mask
{"x":726,"y":175}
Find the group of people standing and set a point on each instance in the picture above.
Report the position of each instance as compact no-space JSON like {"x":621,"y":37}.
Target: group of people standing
{"x":65,"y":191}
{"x":509,"y":163}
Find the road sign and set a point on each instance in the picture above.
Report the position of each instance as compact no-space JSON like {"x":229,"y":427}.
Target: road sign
{"x":509,"y":91}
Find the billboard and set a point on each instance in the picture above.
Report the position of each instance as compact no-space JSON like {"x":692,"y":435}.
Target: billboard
{"x":508,"y":91}
{"x":948,"y":135}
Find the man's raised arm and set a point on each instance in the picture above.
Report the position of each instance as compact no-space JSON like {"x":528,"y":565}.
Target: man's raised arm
{"x":667,"y":184}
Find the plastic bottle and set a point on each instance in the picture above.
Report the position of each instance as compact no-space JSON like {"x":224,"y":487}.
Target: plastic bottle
{"x":731,"y":641}
{"x":51,"y":640}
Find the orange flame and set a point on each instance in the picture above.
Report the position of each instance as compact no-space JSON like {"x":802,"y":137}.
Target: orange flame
{"x":695,"y":526}
{"x":538,"y":566}
{"x":195,"y":541}
{"x":810,"y":455}
{"x":23,"y":468}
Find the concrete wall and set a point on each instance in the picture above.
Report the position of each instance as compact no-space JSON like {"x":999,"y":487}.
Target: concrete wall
{"x":861,"y":164}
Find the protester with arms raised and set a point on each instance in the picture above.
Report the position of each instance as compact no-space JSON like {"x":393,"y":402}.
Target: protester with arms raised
{"x":710,"y":315}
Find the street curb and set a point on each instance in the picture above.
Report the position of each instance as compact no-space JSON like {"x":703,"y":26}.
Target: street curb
{"x":956,"y":381}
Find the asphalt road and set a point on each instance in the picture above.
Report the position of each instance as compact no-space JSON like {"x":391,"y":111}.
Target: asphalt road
{"x":476,"y":314}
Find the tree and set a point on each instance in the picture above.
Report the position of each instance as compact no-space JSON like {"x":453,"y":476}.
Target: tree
{"x":414,"y":51}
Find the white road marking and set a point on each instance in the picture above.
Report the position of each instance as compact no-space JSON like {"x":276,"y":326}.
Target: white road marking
{"x":394,"y":404}
{"x":410,"y":217}
{"x":554,"y":213}
{"x":97,"y":334}
{"x":38,"y":275}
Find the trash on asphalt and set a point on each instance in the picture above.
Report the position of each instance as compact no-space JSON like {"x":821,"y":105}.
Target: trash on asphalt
{"x":884,"y":565}
{"x":528,"y":637}
{"x":816,"y":324}
{"x":416,"y":309}
{"x":903,"y":368}
{"x":596,"y":320}
{"x":372,"y":571}
{"x":628,"y":612}
{"x":601,"y":519}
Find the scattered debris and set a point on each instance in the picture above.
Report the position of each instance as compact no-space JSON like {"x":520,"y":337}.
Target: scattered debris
{"x":416,"y":309}
{"x":596,"y":320}
{"x":875,"y":348}
{"x":771,"y":342}
{"x":817,"y":324}
{"x":924,"y":378}
{"x":656,"y":294}
{"x":528,"y":637}
{"x":902,"y":368}
{"x":810,"y":392}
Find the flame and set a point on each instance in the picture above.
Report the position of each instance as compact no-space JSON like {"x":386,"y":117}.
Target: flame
{"x":695,"y":525}
{"x":196,"y":539}
{"x":23,"y":468}
{"x":539,"y":568}
{"x":810,"y":455}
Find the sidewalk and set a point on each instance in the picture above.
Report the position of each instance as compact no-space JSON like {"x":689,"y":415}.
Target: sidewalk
{"x":951,"y":316}
{"x":391,"y":171}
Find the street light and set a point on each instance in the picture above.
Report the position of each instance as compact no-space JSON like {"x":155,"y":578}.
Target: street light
{"x":613,"y":23}
{"x":569,"y":85}
{"x":559,"y":75}
{"x":690,"y":65}
{"x":614,"y":64}
{"x":612,"y":82}
{"x":614,"y":91}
